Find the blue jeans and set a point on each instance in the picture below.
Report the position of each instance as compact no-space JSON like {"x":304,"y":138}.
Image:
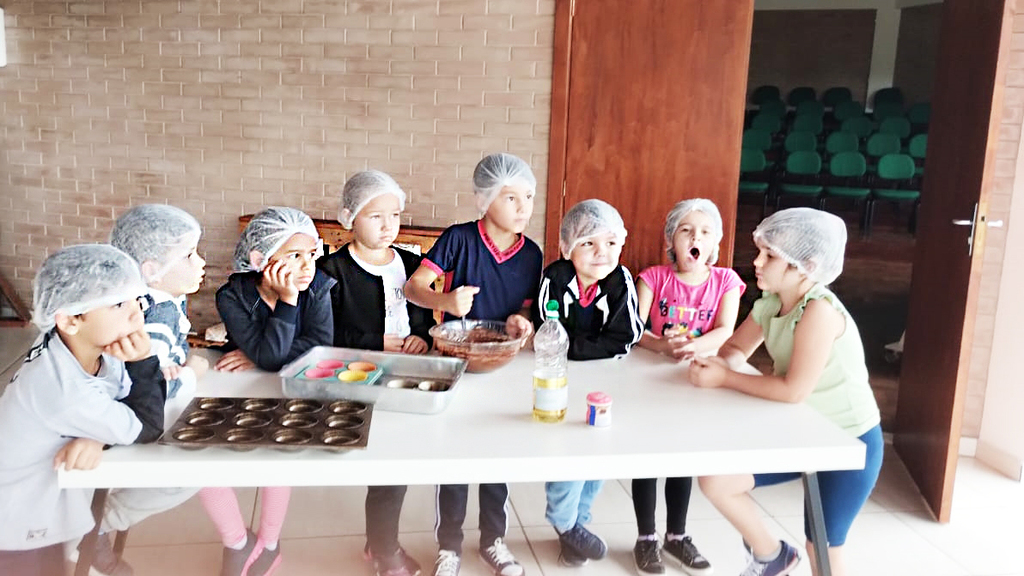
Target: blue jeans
{"x":569,"y":502}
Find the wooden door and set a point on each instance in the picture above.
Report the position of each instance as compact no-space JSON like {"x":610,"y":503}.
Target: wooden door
{"x":647,"y":110}
{"x":966,"y":109}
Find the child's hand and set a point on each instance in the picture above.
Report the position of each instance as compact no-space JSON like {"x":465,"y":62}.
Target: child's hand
{"x":130,"y":348}
{"x":278,"y":278}
{"x":414,"y":345}
{"x":171,"y":372}
{"x":234,"y":361}
{"x":519,"y":327}
{"x":393,"y":343}
{"x":460,"y":300}
{"x":79,"y":454}
{"x":198,"y":364}
{"x":708,"y":372}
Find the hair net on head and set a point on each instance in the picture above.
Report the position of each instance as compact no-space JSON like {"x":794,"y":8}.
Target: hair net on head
{"x":679,"y":211}
{"x":268,"y":230}
{"x":77,"y":279}
{"x":156,"y":233}
{"x":497,"y":171}
{"x":586,"y":220}
{"x":363,"y":187}
{"x":811,"y":240}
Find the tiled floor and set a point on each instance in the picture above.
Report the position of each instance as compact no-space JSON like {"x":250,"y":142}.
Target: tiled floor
{"x":323,"y":534}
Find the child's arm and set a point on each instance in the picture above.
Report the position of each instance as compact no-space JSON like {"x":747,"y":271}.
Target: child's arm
{"x":668,"y":345}
{"x":79,"y":454}
{"x":147,"y":395}
{"x":813,"y":338}
{"x":725,"y":323}
{"x":419,"y":290}
{"x":621,"y":330}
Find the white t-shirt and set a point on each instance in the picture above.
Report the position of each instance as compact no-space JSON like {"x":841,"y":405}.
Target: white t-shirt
{"x":396,"y":314}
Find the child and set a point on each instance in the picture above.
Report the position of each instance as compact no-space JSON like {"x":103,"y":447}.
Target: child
{"x":692,"y":307}
{"x":491,"y":273}
{"x":275,"y":306}
{"x":164,"y":241}
{"x":598,"y":308}
{"x":371,"y":312}
{"x":89,"y":377}
{"x":819,"y":358}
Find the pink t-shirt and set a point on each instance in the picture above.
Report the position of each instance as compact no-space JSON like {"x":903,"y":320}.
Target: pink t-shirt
{"x":679,"y":304}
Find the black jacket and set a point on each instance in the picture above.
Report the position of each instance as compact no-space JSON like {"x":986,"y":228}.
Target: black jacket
{"x":358,"y":300}
{"x":273,"y":338}
{"x":614,"y":324}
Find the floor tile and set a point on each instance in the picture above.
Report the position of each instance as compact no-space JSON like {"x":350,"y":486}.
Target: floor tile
{"x":187,"y":524}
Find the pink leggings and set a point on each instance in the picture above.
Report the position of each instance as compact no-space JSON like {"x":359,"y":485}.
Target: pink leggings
{"x":222,"y":507}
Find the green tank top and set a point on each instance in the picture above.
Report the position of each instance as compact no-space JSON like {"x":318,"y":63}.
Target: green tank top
{"x":843,"y":394}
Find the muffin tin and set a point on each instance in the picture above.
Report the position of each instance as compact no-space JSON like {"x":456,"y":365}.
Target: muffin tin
{"x":286,"y":424}
{"x":421,"y":384}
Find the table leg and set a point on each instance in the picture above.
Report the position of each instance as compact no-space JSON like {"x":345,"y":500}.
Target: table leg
{"x":812,"y":497}
{"x":87,"y":549}
{"x":120,"y":540}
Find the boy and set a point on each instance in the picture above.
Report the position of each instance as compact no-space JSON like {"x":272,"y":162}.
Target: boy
{"x":491,"y":273}
{"x":372,"y":312}
{"x":163,"y":240}
{"x":598,"y":308}
{"x":89,"y":376}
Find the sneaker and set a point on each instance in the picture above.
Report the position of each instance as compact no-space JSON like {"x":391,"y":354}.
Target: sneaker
{"x":104,"y":561}
{"x":266,"y":562}
{"x":447,"y":563}
{"x":398,"y":564}
{"x":501,"y":560}
{"x":684,"y":551}
{"x":647,"y":556}
{"x":569,"y":558}
{"x":235,"y":562}
{"x":583,"y":543}
{"x":783,"y":564}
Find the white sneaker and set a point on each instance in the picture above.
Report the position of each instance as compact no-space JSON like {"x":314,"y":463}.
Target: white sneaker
{"x":447,"y":563}
{"x":501,"y":560}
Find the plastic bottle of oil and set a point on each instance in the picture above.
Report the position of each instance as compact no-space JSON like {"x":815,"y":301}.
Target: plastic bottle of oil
{"x":551,"y":349}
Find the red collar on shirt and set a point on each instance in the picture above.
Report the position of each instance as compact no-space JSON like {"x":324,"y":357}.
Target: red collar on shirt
{"x":586,"y":296}
{"x":499,"y":255}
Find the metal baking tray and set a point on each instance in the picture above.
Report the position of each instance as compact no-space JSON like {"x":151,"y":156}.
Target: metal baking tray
{"x":421,"y":384}
{"x":248,"y":423}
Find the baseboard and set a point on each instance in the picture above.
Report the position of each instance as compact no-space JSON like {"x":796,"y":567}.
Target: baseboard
{"x":968,"y":446}
{"x":1000,"y":460}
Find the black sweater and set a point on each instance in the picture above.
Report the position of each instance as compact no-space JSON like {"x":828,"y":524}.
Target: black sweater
{"x":273,"y":338}
{"x":358,"y":300}
{"x":608,"y":327}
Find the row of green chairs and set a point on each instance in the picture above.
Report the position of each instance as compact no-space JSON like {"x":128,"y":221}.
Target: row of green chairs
{"x":800,"y":94}
{"x":876,"y":145}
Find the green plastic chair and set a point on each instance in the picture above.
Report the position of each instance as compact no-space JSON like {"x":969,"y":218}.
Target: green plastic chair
{"x":862,"y":126}
{"x":800,"y":140}
{"x":765,"y":93}
{"x":895,"y":184}
{"x":897,"y":125}
{"x":878,"y":145}
{"x":767,"y":122}
{"x":800,"y":94}
{"x":887,"y":95}
{"x":757,"y":139}
{"x":800,"y":179}
{"x":753,"y":162}
{"x":809,"y":123}
{"x":775,"y":108}
{"x":847,"y":109}
{"x":885,"y":110}
{"x":841,"y":141}
{"x":836,"y":95}
{"x":847,"y":170}
{"x":812,"y":107}
{"x":918,"y":148}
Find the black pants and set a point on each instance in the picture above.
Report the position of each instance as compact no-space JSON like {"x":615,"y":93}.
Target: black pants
{"x":451,"y":513}
{"x":383,"y":509}
{"x":677,"y":500}
{"x":48,"y":561}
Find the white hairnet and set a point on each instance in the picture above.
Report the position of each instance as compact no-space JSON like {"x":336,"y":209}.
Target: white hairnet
{"x":587,"y":219}
{"x":679,"y":211}
{"x":156,"y":233}
{"x":363,"y":187}
{"x":497,"y":171}
{"x":811,"y":240}
{"x":77,"y":279}
{"x":268,"y":230}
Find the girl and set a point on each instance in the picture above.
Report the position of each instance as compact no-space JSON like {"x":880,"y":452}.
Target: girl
{"x":276,"y":306}
{"x":819,"y":358}
{"x":692,"y":306}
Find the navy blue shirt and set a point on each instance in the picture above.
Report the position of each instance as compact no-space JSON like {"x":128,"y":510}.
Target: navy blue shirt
{"x":508,"y":279}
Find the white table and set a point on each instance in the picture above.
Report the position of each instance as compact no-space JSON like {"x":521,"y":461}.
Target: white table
{"x":661,"y":426}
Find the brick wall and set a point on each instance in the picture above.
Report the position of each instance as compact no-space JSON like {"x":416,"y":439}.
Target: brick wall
{"x":222,"y":107}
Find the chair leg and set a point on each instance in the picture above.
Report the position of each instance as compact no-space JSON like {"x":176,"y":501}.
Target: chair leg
{"x":869,"y":214}
{"x":821,"y":202}
{"x":912,"y":225}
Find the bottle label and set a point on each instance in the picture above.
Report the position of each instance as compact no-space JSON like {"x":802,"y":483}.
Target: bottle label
{"x":550,"y":394}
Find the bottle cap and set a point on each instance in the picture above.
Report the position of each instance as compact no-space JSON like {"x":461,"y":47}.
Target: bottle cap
{"x":551,"y":309}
